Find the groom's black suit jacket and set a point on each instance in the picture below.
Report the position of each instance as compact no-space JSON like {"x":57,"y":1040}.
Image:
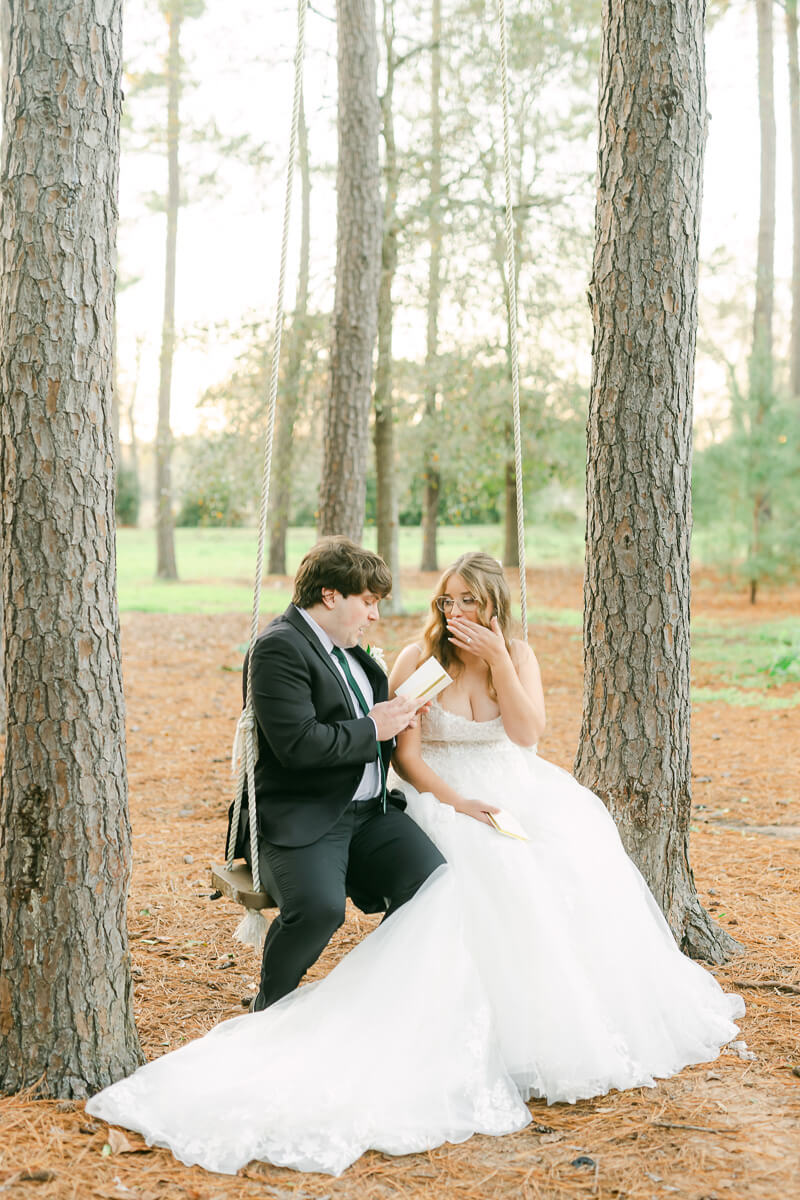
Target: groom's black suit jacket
{"x":312,"y":745}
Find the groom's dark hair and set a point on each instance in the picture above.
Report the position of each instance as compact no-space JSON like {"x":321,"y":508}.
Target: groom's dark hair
{"x":338,"y":563}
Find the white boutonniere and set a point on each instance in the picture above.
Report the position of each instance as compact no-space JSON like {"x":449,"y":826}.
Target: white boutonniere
{"x":376,"y":653}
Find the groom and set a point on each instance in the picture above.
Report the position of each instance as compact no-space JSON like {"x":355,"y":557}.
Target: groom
{"x":327,"y":827}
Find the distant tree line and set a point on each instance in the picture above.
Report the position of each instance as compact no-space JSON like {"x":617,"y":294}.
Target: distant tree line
{"x":441,"y":423}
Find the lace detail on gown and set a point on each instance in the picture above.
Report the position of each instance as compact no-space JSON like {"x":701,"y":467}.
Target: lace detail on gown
{"x":439,"y":725}
{"x":395,"y":1050}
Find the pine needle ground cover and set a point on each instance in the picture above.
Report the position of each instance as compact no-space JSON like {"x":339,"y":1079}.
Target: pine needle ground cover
{"x":722,"y":1131}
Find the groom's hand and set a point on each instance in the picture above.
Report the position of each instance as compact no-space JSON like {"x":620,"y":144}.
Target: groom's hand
{"x":393,"y":716}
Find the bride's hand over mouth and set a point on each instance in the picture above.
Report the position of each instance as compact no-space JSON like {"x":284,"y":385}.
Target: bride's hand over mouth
{"x":483,"y":642}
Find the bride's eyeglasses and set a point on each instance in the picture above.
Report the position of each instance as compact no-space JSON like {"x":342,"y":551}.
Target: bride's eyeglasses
{"x":465,"y":603}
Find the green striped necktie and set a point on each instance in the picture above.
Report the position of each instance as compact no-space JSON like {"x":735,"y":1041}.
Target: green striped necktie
{"x":341,"y":658}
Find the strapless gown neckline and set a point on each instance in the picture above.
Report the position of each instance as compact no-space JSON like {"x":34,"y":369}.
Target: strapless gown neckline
{"x":448,"y":712}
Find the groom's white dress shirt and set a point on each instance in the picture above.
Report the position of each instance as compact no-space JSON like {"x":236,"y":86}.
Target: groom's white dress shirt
{"x":370,"y":782}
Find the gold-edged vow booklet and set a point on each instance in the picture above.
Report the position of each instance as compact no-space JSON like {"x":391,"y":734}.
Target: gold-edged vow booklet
{"x":507,"y":823}
{"x":426,"y":682}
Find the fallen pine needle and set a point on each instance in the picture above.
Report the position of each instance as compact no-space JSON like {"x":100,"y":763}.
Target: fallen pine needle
{"x":695,"y":1128}
{"x":791,"y":988}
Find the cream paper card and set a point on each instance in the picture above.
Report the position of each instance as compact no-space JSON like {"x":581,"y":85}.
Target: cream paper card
{"x":507,"y":823}
{"x":426,"y":682}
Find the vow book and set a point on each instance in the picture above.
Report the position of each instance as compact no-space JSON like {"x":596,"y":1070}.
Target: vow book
{"x":426,"y":682}
{"x":507,"y":823}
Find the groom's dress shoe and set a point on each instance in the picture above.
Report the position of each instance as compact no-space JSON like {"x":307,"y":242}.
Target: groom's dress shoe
{"x":258,"y":1003}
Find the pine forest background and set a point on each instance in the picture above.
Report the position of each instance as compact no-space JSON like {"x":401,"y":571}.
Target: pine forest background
{"x":204,"y":364}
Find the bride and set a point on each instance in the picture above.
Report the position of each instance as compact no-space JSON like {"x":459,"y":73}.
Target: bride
{"x":522,"y":968}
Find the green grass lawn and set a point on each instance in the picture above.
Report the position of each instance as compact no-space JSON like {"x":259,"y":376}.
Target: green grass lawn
{"x":750,"y":661}
{"x":217,"y":566}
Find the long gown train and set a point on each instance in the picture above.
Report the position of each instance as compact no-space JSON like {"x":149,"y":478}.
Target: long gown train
{"x":539,"y":968}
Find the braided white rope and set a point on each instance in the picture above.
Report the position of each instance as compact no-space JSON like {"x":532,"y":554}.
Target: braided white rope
{"x":512,"y":323}
{"x":246,"y":729}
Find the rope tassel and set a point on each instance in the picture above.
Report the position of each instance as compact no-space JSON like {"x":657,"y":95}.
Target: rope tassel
{"x":251,"y":930}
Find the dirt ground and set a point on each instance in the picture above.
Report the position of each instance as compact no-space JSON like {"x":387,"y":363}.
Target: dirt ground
{"x":718,"y":1132}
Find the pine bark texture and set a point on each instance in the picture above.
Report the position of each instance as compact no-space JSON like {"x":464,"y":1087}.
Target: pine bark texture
{"x":5,"y":31}
{"x":383,"y":433}
{"x":289,"y":400}
{"x":794,"y":126}
{"x":66,"y":1018}
{"x":634,"y":747}
{"x":431,"y":474}
{"x":761,"y":364}
{"x":765,"y":269}
{"x":358,"y":264}
{"x":510,"y":509}
{"x":3,"y":707}
{"x":166,"y":567}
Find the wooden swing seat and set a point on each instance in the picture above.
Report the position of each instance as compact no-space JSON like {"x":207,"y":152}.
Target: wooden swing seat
{"x":237,"y":884}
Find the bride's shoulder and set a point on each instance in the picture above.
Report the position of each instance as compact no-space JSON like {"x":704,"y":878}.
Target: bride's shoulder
{"x":405,"y":664}
{"x":520,"y":651}
{"x":526,"y":665}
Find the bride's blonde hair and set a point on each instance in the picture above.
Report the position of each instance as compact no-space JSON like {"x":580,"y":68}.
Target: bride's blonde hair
{"x":485,"y":579}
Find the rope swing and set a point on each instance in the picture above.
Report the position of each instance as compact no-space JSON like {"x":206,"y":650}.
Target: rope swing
{"x":233,"y":881}
{"x":245,"y":746}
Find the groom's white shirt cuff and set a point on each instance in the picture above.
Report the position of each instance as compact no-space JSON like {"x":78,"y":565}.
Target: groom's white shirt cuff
{"x":370,"y":782}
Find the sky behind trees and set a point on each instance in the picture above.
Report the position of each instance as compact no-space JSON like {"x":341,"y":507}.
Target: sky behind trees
{"x":239,"y":59}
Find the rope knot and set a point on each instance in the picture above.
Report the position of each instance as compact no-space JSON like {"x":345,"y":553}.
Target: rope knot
{"x":245,"y":727}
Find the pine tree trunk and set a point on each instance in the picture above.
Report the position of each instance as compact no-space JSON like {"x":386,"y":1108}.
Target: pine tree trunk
{"x":115,"y":392}
{"x":765,"y":269}
{"x":794,"y":124}
{"x":289,"y":400}
{"x":761,"y":365}
{"x":358,"y":264}
{"x":635,"y":747}
{"x":431,"y":475}
{"x":131,"y":412}
{"x":383,"y":434}
{"x":166,"y":567}
{"x":5,"y":38}
{"x":5,"y":33}
{"x":510,"y":510}
{"x":3,"y":702}
{"x":66,"y":1018}
{"x":511,"y":547}
{"x":510,"y":539}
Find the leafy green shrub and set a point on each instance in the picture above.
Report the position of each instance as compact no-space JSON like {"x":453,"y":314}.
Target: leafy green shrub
{"x":212,"y":507}
{"x":746,"y":489}
{"x":785,"y":666}
{"x":218,"y":484}
{"x":128,"y":497}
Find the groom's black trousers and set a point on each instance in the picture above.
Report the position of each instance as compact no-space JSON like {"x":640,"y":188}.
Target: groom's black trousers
{"x":378,"y":859}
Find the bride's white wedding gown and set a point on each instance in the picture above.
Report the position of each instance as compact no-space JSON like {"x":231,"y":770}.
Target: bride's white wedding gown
{"x":539,"y":968}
